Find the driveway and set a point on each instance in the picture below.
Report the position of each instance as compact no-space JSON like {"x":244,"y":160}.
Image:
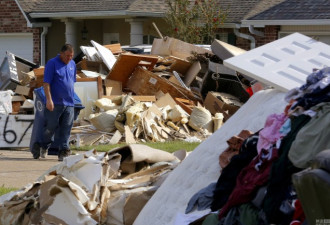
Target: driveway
{"x":18,"y":168}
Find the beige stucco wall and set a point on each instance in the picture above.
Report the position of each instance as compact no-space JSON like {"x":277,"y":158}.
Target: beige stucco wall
{"x":96,"y":28}
{"x":319,"y":33}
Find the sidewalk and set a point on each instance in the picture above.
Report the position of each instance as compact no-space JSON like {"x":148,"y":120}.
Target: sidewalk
{"x":18,"y":168}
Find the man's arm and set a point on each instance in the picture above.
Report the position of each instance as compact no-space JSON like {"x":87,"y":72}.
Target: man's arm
{"x":49,"y":101}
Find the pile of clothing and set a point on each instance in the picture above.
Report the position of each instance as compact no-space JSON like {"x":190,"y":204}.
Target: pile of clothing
{"x":255,"y":186}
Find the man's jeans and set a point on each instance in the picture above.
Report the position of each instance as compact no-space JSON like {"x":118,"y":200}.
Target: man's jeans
{"x":60,"y":118}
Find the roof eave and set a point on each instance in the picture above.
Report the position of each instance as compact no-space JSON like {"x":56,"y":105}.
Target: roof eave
{"x":284,"y":22}
{"x":96,"y":14}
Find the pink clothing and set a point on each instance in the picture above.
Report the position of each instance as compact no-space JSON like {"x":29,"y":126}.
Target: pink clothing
{"x":271,"y":131}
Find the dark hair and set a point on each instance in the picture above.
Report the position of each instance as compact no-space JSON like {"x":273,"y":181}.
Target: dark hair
{"x":67,"y":47}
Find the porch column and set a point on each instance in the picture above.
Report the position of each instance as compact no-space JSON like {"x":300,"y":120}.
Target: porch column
{"x":136,"y":35}
{"x":71,"y":34}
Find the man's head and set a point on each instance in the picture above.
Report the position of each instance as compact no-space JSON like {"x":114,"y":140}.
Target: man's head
{"x":66,"y":53}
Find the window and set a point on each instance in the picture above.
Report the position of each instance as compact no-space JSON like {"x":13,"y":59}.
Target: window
{"x":148,"y":39}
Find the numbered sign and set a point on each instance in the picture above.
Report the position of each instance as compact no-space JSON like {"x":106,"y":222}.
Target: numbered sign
{"x":15,"y":130}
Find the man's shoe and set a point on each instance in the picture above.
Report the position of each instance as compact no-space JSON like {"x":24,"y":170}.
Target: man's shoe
{"x":43,"y":152}
{"x":36,"y":150}
{"x":63,"y":153}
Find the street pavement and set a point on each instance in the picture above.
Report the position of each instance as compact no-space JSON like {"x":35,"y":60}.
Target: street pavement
{"x":18,"y":168}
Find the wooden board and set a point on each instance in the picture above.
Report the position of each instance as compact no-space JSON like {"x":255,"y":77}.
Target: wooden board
{"x":126,"y":64}
{"x":112,"y":87}
{"x":15,"y":130}
{"x":140,"y":98}
{"x":84,"y":64}
{"x":22,"y":90}
{"x":144,"y":82}
{"x":180,"y":65}
{"x":114,"y":48}
{"x":39,"y":71}
{"x":186,"y":104}
{"x":191,"y":74}
{"x":175,"y":47}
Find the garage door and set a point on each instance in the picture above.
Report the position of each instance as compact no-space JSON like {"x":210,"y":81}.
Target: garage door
{"x":17,"y":43}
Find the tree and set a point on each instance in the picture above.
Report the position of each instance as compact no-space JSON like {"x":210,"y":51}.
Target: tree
{"x":195,"y":21}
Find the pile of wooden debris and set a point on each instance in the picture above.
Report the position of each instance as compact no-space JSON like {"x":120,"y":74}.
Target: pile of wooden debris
{"x":178,"y":91}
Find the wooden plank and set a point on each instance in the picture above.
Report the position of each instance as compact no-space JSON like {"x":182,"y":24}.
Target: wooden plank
{"x":186,"y":104}
{"x":144,"y":82}
{"x":165,"y":100}
{"x":126,"y":64}
{"x":175,"y":47}
{"x":22,"y":90}
{"x":115,"y":138}
{"x":39,"y":71}
{"x":114,"y":48}
{"x":180,"y":65}
{"x":15,"y":107}
{"x":18,"y":98}
{"x":174,"y":80}
{"x":191,"y":74}
{"x":113,"y":87}
{"x":129,"y":137}
{"x":16,"y":130}
{"x":96,"y":66}
{"x":140,"y":98}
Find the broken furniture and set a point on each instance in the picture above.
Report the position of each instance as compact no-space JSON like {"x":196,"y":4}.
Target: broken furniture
{"x":10,"y":71}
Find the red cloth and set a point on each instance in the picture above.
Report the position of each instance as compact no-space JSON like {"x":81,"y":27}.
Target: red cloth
{"x":299,"y":215}
{"x":249,"y":181}
{"x":249,"y":91}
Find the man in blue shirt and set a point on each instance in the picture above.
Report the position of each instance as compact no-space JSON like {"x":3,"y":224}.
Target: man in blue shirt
{"x":59,"y":79}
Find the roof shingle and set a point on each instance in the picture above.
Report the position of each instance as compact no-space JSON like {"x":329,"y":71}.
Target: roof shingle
{"x":296,"y":10}
{"x":49,"y":6}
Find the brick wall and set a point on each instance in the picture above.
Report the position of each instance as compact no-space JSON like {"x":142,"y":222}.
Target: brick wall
{"x":271,"y":34}
{"x":13,"y":21}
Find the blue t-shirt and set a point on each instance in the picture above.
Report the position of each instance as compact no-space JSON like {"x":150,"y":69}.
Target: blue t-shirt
{"x":61,"y":78}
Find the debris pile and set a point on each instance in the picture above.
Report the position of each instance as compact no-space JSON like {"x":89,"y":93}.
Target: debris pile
{"x":92,"y":188}
{"x":175,"y":92}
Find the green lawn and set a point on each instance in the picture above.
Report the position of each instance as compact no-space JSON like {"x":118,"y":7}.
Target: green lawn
{"x":171,"y":146}
{"x":5,"y":190}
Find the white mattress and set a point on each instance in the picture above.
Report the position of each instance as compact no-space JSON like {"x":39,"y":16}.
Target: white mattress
{"x":201,"y":167}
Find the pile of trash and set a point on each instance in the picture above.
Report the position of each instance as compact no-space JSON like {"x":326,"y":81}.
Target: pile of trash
{"x":178,"y":91}
{"x":92,"y":188}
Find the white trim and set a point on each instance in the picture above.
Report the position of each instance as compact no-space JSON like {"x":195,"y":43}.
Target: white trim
{"x":285,"y":22}
{"x":29,"y":24}
{"x":95,"y":14}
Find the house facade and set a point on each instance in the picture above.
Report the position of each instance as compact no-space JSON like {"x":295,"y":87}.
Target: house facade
{"x":15,"y":35}
{"x":36,"y":29}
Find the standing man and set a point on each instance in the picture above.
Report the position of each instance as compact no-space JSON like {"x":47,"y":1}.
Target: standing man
{"x":59,"y":79}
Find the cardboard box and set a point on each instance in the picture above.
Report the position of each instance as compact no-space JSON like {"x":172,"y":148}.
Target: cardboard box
{"x":144,"y":82}
{"x":214,"y":104}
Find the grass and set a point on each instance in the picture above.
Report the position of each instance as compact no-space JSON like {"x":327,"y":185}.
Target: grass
{"x":170,"y":147}
{"x":5,"y":190}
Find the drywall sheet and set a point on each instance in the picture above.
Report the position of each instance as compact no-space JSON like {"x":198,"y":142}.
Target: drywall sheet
{"x":106,"y":55}
{"x":283,"y":64}
{"x":201,"y":167}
